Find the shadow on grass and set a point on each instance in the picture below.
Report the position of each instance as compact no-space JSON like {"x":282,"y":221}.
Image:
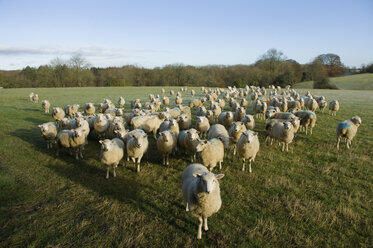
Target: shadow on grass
{"x":34,"y":120}
{"x":122,"y":188}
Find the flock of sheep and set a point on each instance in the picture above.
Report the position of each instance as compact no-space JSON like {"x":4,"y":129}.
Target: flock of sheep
{"x":286,"y":112}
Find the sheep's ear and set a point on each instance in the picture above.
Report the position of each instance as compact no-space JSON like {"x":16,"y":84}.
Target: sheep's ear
{"x":197,"y":175}
{"x":255,"y":133}
{"x":112,"y":141}
{"x":116,"y":131}
{"x":245,"y":133}
{"x":197,"y":132}
{"x":145,"y":135}
{"x":219,"y":176}
{"x":100,"y":141}
{"x":39,"y":125}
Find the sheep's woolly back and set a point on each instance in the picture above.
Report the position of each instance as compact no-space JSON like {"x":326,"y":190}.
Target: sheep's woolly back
{"x":347,"y":128}
{"x":166,"y":147}
{"x":281,"y":134}
{"x":212,"y":153}
{"x":248,"y":150}
{"x":113,"y":156}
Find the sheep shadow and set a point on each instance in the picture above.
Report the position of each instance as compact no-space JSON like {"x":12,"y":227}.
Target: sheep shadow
{"x":33,"y":120}
{"x":122,"y":188}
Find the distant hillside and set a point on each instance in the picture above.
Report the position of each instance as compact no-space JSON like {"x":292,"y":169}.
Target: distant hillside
{"x":354,"y":82}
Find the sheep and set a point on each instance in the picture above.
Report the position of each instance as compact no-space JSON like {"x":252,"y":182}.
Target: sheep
{"x":192,"y":92}
{"x":111,"y":154}
{"x":210,"y":116}
{"x":166,"y":144}
{"x":172,"y":92}
{"x":184,"y":109}
{"x":121,"y":102}
{"x":247,"y":147}
{"x":184,"y":121}
{"x":259,"y":109}
{"x":201,"y":111}
{"x":174,"y":112}
{"x":244,"y":103}
{"x":89,"y":109}
{"x":235,"y":105}
{"x":31,"y":95}
{"x":137,"y":145}
{"x":333,"y":107}
{"x":219,"y":131}
{"x":312,"y":105}
{"x":235,"y":131}
{"x":101,"y":126}
{"x":307,"y":119}
{"x":178,"y":94}
{"x":114,"y":126}
{"x":322,"y":105}
{"x":294,"y":104}
{"x":166,"y":100}
{"x":70,"y":110}
{"x":271,"y":122}
{"x":58,"y":114}
{"x":45,"y":105}
{"x":149,"y":123}
{"x":136,"y":104}
{"x":49,"y":132}
{"x":178,"y":100}
{"x":188,"y":140}
{"x":272,"y":114}
{"x":221,"y":103}
{"x":348,"y":129}
{"x":201,"y":192}
{"x":67,"y":124}
{"x":195,"y":103}
{"x":284,"y":133}
{"x":249,"y":122}
{"x":202,"y":125}
{"x":35,"y":98}
{"x":216,"y":110}
{"x":72,"y":139}
{"x":212,"y":152}
{"x":225,"y":119}
{"x":170,"y":125}
{"x":163,"y":91}
{"x":84,"y":125}
{"x":239,"y":113}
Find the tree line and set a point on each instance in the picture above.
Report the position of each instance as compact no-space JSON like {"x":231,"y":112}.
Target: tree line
{"x":273,"y":67}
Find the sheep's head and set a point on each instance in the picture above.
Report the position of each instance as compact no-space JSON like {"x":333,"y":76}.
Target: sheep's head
{"x":201,"y":119}
{"x":106,"y":145}
{"x":78,"y":133}
{"x":121,"y":133}
{"x":79,"y":121}
{"x":119,"y":112}
{"x":43,"y":128}
{"x":356,"y":120}
{"x":201,"y":145}
{"x":139,"y":139}
{"x":183,"y":118}
{"x":208,"y":182}
{"x":192,"y":134}
{"x":166,"y":136}
{"x":270,"y":113}
{"x":248,"y":118}
{"x":288,"y":125}
{"x":238,"y":126}
{"x":241,"y":110}
{"x":250,"y":135}
{"x":100,"y":118}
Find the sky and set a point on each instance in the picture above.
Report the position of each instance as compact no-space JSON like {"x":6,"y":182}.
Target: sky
{"x":203,"y":32}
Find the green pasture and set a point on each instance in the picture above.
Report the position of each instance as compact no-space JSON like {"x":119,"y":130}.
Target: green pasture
{"x":311,"y":196}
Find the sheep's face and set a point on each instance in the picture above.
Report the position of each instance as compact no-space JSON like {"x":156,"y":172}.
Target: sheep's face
{"x":43,"y":128}
{"x":100,"y":118}
{"x":294,"y":110}
{"x":78,"y":133}
{"x":79,"y":121}
{"x":208,"y":182}
{"x":250,"y":135}
{"x":209,"y":113}
{"x":248,"y":118}
{"x":241,"y":110}
{"x":192,"y":134}
{"x":119,"y":112}
{"x":270,"y":113}
{"x":139,"y":139}
{"x":118,"y":126}
{"x":201,"y":145}
{"x":356,"y":120}
{"x":201,"y":119}
{"x":121,"y":133}
{"x":238,"y":126}
{"x":166,"y":136}
{"x":106,"y":145}
{"x":183,"y":118}
{"x":288,"y":125}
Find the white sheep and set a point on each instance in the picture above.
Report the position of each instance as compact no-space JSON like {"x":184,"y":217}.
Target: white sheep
{"x":137,"y":145}
{"x":45,"y":105}
{"x":49,"y":133}
{"x":219,"y":131}
{"x":35,"y":98}
{"x":249,"y":122}
{"x":307,"y":119}
{"x":212,"y":152}
{"x":121,"y":102}
{"x":70,"y":110}
{"x":31,"y":95}
{"x":101,"y":126}
{"x":149,"y":123}
{"x":71,"y":139}
{"x":239,"y":113}
{"x":201,"y":192}
{"x":58,"y":114}
{"x":247,"y":147}
{"x":225,"y":119}
{"x":284,"y":133}
{"x":111,"y":154}
{"x":348,"y":129}
{"x":166,"y":144}
{"x":202,"y":125}
{"x":184,"y":121}
{"x":333,"y":107}
{"x":188,"y":140}
{"x":89,"y":109}
{"x":170,"y":125}
{"x":235,"y":131}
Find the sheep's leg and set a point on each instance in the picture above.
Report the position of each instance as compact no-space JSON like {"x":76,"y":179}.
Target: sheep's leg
{"x":283,"y":146}
{"x":71,"y":153}
{"x":234,"y":149}
{"x":311,"y":130}
{"x":287,"y":147}
{"x":306,"y":129}
{"x":271,"y":141}
{"x":348,"y":144}
{"x":205,"y":226}
{"x":114,"y":174}
{"x":267,"y":138}
{"x":107,"y":173}
{"x":163,"y":159}
{"x":194,"y":157}
{"x":243,"y":164}
{"x":155,"y":134}
{"x":167,"y":159}
{"x":128,"y":158}
{"x":338,"y":140}
{"x":133,"y":160}
{"x":199,"y":232}
{"x":220,"y":165}
{"x":76,"y":154}
{"x":187,"y":207}
{"x":80,"y":152}
{"x":138,"y":164}
{"x":250,"y":165}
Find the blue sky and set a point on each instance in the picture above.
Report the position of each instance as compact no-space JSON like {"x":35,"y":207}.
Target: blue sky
{"x":156,"y":33}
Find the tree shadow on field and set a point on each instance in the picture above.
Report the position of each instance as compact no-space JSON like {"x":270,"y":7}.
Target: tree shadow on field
{"x":122,"y":188}
{"x":34,"y":120}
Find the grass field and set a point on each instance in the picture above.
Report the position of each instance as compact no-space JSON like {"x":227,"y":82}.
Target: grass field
{"x":312,"y":196}
{"x":354,"y":82}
